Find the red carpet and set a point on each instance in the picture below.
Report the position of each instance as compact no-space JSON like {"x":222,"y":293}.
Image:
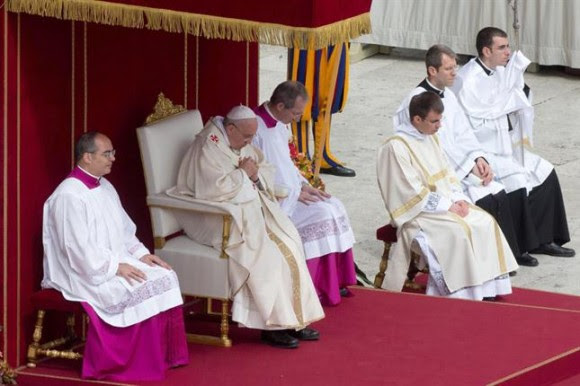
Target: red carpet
{"x":378,"y":337}
{"x":528,"y":297}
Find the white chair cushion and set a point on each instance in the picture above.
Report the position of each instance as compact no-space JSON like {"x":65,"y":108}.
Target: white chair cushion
{"x":200,"y":269}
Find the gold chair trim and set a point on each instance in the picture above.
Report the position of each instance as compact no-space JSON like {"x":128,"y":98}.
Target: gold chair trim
{"x":163,"y":108}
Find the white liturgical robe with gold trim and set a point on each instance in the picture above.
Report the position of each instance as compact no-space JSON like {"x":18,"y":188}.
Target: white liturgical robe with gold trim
{"x":418,"y":187}
{"x":271,"y":286}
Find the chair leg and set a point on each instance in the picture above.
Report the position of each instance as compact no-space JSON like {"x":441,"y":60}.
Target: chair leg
{"x":224,"y":325}
{"x":70,"y":327}
{"x":380,"y":277}
{"x":36,"y":337}
{"x":84,"y":324}
{"x":412,"y":272}
{"x":223,"y":340}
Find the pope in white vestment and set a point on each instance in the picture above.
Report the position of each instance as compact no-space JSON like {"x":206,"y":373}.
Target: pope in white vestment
{"x":271,"y":288}
{"x":467,"y":254}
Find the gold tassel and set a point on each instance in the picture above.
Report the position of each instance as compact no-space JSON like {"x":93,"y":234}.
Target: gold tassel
{"x":207,"y":26}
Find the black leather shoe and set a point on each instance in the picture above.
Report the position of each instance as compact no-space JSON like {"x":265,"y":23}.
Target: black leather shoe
{"x":279,"y":338}
{"x":339,"y":171}
{"x":344,"y":292}
{"x":527,"y":260}
{"x":554,"y":249}
{"x":513,"y":273}
{"x":489,"y":299}
{"x":304,"y":334}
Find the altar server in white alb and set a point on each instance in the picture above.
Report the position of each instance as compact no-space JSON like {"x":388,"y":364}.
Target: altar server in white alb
{"x":321,"y":220}
{"x":91,"y":255}
{"x":492,"y":92}
{"x":467,"y":254}
{"x":271,"y":288}
{"x":468,"y":159}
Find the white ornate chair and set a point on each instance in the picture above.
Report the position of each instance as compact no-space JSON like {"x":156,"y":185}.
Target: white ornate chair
{"x":202,"y":270}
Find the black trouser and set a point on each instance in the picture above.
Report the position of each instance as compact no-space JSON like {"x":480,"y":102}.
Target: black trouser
{"x":498,"y":205}
{"x":548,"y":211}
{"x":530,"y":220}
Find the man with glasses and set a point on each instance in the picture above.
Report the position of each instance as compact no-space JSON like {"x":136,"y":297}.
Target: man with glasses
{"x":492,"y":92}
{"x":91,"y":255}
{"x":467,"y":254}
{"x":467,"y":157}
{"x":321,"y":220}
{"x":271,"y":288}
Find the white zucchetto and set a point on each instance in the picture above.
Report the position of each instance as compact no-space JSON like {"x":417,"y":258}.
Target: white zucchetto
{"x":240,"y":112}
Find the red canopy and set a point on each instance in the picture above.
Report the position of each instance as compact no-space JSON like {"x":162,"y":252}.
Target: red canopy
{"x":298,"y":23}
{"x":85,"y":72}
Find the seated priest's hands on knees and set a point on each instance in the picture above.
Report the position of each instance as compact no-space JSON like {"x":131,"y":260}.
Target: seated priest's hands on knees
{"x":250,"y":166}
{"x":460,"y":208}
{"x":309,"y":194}
{"x":154,"y":260}
{"x":482,"y":170}
{"x":130,"y":272}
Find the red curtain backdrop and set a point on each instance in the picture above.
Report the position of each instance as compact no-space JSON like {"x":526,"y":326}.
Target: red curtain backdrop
{"x":125,"y":70}
{"x":62,"y":77}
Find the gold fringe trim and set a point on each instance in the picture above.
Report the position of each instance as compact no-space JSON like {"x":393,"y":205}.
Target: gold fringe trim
{"x":207,"y":26}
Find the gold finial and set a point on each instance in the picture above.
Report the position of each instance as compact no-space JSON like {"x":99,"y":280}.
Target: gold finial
{"x":163,"y":109}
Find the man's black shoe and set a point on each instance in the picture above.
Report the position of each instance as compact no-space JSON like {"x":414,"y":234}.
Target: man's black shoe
{"x":279,"y":338}
{"x":513,"y":273}
{"x":489,"y":299}
{"x":344,"y":292}
{"x":527,"y":260}
{"x":554,"y":249}
{"x":339,"y":171}
{"x":304,"y":334}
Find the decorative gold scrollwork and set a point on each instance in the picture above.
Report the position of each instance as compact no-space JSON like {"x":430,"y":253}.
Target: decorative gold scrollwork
{"x":164,"y":108}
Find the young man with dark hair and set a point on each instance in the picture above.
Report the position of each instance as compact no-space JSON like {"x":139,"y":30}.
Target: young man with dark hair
{"x":426,"y":203}
{"x":492,"y":92}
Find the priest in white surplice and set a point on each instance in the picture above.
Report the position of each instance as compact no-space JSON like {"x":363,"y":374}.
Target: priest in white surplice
{"x":91,"y":255}
{"x":467,"y":254}
{"x":321,"y":220}
{"x":272,"y":290}
{"x":467,"y":157}
{"x":492,"y":92}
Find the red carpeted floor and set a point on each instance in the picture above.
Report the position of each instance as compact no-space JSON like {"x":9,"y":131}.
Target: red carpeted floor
{"x":527,"y":297}
{"x":384,"y":338}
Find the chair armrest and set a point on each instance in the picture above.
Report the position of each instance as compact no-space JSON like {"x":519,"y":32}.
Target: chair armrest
{"x":164,"y":201}
{"x":231,"y":214}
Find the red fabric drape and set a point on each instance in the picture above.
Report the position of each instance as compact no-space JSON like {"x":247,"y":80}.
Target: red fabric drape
{"x":297,"y":13}
{"x":126,"y":68}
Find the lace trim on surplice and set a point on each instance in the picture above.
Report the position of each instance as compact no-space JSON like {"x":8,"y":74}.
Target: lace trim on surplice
{"x":146,"y":291}
{"x":324,"y":228}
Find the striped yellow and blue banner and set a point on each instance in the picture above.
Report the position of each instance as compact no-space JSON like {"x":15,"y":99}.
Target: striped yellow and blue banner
{"x":311,"y":68}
